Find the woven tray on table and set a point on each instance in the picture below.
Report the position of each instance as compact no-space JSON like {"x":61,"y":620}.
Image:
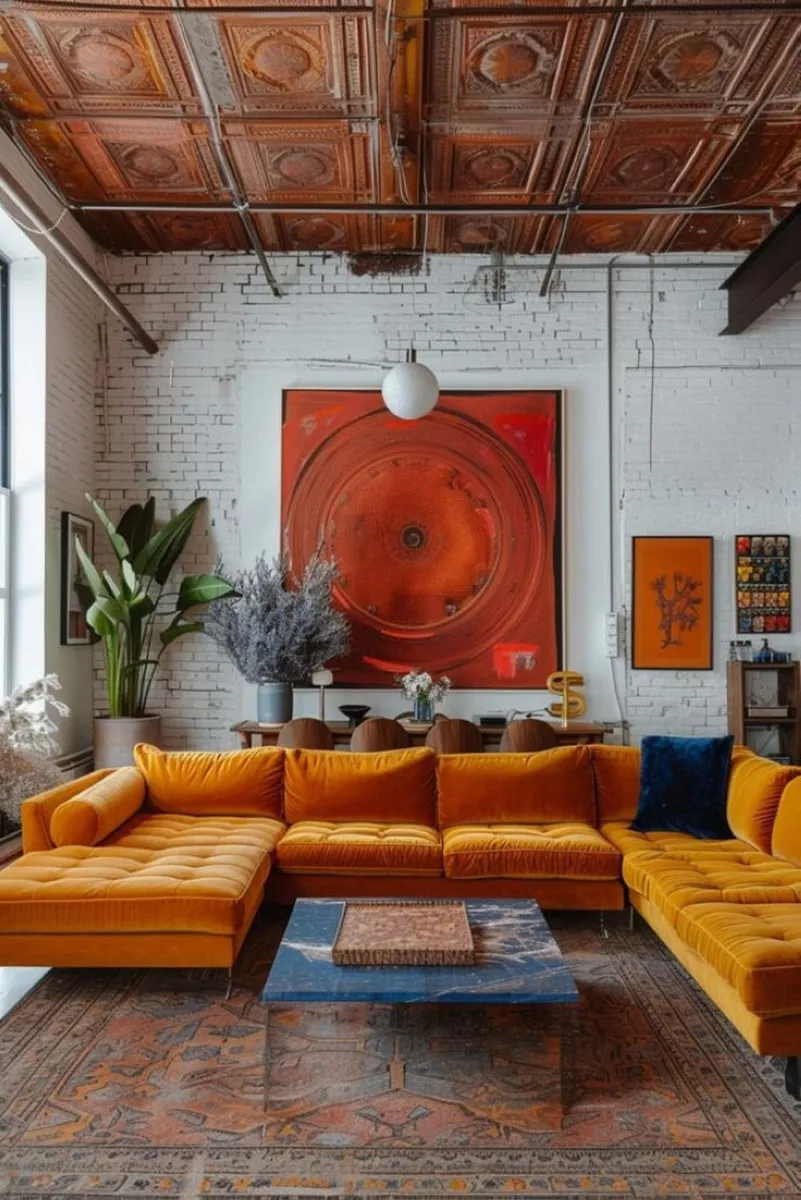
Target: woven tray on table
{"x":378,"y":933}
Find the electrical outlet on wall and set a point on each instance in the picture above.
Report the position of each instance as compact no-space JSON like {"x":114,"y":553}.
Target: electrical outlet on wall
{"x":612,"y":632}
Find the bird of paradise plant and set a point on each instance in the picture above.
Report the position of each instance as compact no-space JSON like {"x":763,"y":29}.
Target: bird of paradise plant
{"x":133,"y":612}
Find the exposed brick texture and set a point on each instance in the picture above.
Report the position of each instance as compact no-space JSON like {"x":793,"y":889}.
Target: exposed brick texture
{"x":708,"y":443}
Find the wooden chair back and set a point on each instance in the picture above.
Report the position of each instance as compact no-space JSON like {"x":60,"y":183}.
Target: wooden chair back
{"x":455,"y":736}
{"x":527,"y":736}
{"x":379,"y":733}
{"x":306,"y":733}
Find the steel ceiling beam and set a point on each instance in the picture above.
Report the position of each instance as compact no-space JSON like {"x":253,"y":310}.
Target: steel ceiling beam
{"x":766,"y":276}
{"x":224,"y":163}
{"x":28,"y":207}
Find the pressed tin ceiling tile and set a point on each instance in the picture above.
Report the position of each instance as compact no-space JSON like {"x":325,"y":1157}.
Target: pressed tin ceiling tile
{"x":478,"y":111}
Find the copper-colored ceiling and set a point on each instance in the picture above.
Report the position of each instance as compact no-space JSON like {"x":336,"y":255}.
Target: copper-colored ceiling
{"x":477,"y":106}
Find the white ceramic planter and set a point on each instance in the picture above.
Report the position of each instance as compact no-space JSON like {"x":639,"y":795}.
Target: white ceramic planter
{"x":115,"y":738}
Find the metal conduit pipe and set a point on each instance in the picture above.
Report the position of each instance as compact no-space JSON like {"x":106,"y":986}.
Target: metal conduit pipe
{"x":255,"y":11}
{"x":221,"y":154}
{"x":436,"y":210}
{"x":572,"y":187}
{"x":31,"y":210}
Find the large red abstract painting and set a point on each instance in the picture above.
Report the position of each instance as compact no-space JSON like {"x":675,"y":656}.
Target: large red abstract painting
{"x":446,"y":530}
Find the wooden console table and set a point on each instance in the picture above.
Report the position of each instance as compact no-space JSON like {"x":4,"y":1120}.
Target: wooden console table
{"x":575,"y":733}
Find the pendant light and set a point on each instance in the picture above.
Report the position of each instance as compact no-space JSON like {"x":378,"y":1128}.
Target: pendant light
{"x":410,"y":390}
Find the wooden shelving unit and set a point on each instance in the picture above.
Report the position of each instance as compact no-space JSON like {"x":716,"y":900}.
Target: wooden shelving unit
{"x":772,"y":736}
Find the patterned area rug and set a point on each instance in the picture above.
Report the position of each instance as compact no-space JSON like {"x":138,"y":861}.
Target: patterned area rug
{"x":144,"y":1084}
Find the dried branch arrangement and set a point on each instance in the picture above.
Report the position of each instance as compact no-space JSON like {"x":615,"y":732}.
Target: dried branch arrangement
{"x":26,"y":738}
{"x":279,"y":628}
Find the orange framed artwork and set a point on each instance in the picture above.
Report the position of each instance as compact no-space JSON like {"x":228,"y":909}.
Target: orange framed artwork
{"x":671,"y":604}
{"x":446,"y":531}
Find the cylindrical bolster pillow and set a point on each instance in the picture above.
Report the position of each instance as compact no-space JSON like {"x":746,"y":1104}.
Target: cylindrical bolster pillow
{"x":89,"y":818}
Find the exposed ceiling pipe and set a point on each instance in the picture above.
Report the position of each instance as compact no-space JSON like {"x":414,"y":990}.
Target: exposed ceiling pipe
{"x":67,"y":114}
{"x":221,"y":155}
{"x":762,"y":100}
{"x":8,"y":124}
{"x":435,"y":14}
{"x":31,"y":210}
{"x":581,"y":153}
{"x":434,"y":210}
{"x":157,"y":10}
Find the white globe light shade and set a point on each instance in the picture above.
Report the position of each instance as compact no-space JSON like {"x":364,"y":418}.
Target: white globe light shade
{"x":410,"y":391}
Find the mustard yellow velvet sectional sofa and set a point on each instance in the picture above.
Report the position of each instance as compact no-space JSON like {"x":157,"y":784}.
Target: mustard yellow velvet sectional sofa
{"x":168,"y":861}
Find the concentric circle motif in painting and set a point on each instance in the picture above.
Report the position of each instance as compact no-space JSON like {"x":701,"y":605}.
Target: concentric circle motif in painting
{"x":445,"y":530}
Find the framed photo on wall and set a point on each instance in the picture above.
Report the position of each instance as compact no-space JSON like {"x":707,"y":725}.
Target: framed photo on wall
{"x":762,"y":566}
{"x":671,"y":603}
{"x":74,"y":630}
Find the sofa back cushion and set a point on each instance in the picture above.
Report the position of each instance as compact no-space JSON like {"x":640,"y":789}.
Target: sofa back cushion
{"x":391,"y":786}
{"x":529,"y":789}
{"x":786,"y":842}
{"x":755,"y":790}
{"x":617,"y":781}
{"x":233,"y":783}
{"x":90,"y":817}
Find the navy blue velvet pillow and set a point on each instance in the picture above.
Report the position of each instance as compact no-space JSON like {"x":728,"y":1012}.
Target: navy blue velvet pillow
{"x":683,"y":785}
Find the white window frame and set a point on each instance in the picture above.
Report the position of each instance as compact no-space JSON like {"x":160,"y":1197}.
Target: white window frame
{"x":5,"y":480}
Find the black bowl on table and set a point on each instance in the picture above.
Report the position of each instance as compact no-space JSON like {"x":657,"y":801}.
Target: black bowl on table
{"x":355,"y":713}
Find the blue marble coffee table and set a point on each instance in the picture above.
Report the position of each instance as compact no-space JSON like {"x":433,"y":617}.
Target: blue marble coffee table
{"x":518,"y":963}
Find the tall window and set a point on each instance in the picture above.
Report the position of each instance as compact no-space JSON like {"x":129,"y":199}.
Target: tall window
{"x":5,"y":475}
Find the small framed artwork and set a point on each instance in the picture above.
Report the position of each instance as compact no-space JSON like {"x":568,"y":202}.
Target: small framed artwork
{"x":762,"y":568}
{"x":74,"y":630}
{"x":671,"y":603}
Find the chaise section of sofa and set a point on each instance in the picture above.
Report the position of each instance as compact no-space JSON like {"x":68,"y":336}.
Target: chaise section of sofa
{"x":729,"y":909}
{"x":138,"y":869}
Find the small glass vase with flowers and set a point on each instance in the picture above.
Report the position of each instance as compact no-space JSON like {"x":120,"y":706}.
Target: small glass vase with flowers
{"x":424,"y":692}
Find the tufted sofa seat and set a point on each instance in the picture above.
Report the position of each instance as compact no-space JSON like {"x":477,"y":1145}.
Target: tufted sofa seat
{"x":569,"y":850}
{"x":360,"y":847}
{"x":675,"y":870}
{"x":157,"y":873}
{"x":755,"y":948}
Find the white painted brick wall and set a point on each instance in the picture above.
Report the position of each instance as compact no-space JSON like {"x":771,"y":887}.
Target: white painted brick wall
{"x":726,"y":434}
{"x":73,"y":313}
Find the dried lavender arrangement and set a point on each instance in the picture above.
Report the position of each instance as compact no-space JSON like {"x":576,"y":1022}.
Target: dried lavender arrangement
{"x":280,"y":628}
